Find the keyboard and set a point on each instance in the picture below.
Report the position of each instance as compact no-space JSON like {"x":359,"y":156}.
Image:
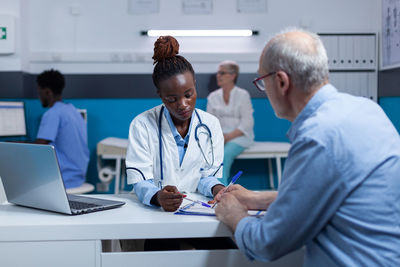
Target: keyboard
{"x":76,"y":205}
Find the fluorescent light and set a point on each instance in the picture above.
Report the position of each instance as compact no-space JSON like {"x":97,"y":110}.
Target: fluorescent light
{"x":202,"y":33}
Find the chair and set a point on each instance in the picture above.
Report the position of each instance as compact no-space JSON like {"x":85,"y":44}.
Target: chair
{"x":84,"y":188}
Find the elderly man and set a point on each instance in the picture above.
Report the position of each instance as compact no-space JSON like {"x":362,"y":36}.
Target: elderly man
{"x":340,"y":191}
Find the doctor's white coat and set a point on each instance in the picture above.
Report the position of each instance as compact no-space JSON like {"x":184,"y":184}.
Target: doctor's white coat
{"x":143,"y":154}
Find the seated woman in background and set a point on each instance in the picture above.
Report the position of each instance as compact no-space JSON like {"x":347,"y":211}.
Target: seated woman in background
{"x":232,"y":106}
{"x":174,"y":148}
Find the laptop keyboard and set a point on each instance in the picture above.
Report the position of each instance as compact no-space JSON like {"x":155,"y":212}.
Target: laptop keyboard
{"x":76,"y":205}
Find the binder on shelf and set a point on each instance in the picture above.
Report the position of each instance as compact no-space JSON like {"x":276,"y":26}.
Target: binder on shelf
{"x":357,"y":44}
{"x":372,"y":86}
{"x":363,"y":84}
{"x":346,"y":51}
{"x":331,"y":45}
{"x":371,"y":51}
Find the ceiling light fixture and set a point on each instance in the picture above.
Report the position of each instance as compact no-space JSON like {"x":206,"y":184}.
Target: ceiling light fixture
{"x":200,"y":33}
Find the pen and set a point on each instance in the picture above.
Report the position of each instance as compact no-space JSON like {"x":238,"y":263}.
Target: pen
{"x":199,"y":202}
{"x":234,"y":178}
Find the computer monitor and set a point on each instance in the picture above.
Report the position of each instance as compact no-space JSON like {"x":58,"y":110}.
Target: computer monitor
{"x":12,"y":118}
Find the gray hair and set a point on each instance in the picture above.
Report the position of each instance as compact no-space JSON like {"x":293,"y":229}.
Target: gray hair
{"x":304,"y":60}
{"x":231,"y":67}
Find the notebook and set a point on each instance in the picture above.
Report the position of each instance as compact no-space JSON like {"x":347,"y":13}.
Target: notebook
{"x":31,"y":177}
{"x":195,"y":208}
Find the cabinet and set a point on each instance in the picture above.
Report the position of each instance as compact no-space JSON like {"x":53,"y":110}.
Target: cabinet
{"x":353,"y":59}
{"x":49,"y":253}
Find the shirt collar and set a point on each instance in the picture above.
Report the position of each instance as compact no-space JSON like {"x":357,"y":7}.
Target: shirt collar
{"x":178,"y":138}
{"x":57,"y":103}
{"x":313,"y":104}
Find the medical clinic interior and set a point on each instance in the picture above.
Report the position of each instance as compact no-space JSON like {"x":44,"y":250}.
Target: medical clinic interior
{"x":104,"y":54}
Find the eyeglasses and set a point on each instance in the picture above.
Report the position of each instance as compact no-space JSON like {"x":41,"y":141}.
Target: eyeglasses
{"x":223,"y":73}
{"x":259,"y":82}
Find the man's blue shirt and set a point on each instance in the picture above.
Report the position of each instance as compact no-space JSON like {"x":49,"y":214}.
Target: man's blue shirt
{"x":340,"y":191}
{"x":65,"y":128}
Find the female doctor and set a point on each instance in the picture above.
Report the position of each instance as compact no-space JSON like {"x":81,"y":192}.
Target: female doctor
{"x":174,"y":148}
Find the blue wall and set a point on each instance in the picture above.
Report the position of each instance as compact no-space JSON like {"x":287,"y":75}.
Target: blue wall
{"x":111,"y":117}
{"x":391,"y":106}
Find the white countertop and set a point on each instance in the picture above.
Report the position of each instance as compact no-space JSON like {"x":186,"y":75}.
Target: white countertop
{"x":131,"y":221}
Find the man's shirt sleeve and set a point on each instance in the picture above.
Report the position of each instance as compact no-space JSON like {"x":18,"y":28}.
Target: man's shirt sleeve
{"x":310,"y":193}
{"x":49,"y":126}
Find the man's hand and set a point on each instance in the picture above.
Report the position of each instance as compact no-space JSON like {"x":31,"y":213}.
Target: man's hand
{"x":230,"y":211}
{"x":243,"y":195}
{"x":250,"y":199}
{"x":231,"y":188}
{"x":169,"y":198}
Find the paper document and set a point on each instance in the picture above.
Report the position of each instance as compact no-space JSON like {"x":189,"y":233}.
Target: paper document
{"x":194,"y":208}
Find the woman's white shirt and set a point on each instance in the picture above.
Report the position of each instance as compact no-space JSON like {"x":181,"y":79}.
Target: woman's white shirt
{"x":143,"y":154}
{"x":237,"y":114}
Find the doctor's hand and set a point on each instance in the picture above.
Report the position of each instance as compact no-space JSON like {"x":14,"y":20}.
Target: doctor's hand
{"x":169,"y":198}
{"x":216,"y":191}
{"x":230,"y":211}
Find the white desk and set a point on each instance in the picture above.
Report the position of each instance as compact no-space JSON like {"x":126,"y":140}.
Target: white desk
{"x":268,"y":150}
{"x":30,"y":237}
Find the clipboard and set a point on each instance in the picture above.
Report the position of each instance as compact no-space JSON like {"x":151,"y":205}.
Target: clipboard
{"x":194,"y":208}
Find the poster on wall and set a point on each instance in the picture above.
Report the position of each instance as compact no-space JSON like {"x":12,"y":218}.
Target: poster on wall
{"x":390,"y":34}
{"x":143,"y":7}
{"x":197,"y":7}
{"x":251,"y":6}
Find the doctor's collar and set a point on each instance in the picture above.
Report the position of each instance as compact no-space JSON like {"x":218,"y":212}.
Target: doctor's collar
{"x":172,"y":126}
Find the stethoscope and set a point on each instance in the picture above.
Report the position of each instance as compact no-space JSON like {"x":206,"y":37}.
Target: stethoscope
{"x":196,"y":137}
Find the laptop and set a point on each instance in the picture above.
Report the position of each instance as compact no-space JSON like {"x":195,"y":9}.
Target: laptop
{"x":31,"y":177}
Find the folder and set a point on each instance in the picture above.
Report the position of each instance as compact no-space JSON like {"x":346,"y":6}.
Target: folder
{"x":194,"y":208}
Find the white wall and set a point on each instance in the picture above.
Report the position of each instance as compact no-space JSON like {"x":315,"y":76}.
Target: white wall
{"x":12,"y":62}
{"x":104,"y":38}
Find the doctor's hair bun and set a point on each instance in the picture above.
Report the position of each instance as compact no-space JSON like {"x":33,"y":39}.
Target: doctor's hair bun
{"x":167,"y":62}
{"x":165,"y":47}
